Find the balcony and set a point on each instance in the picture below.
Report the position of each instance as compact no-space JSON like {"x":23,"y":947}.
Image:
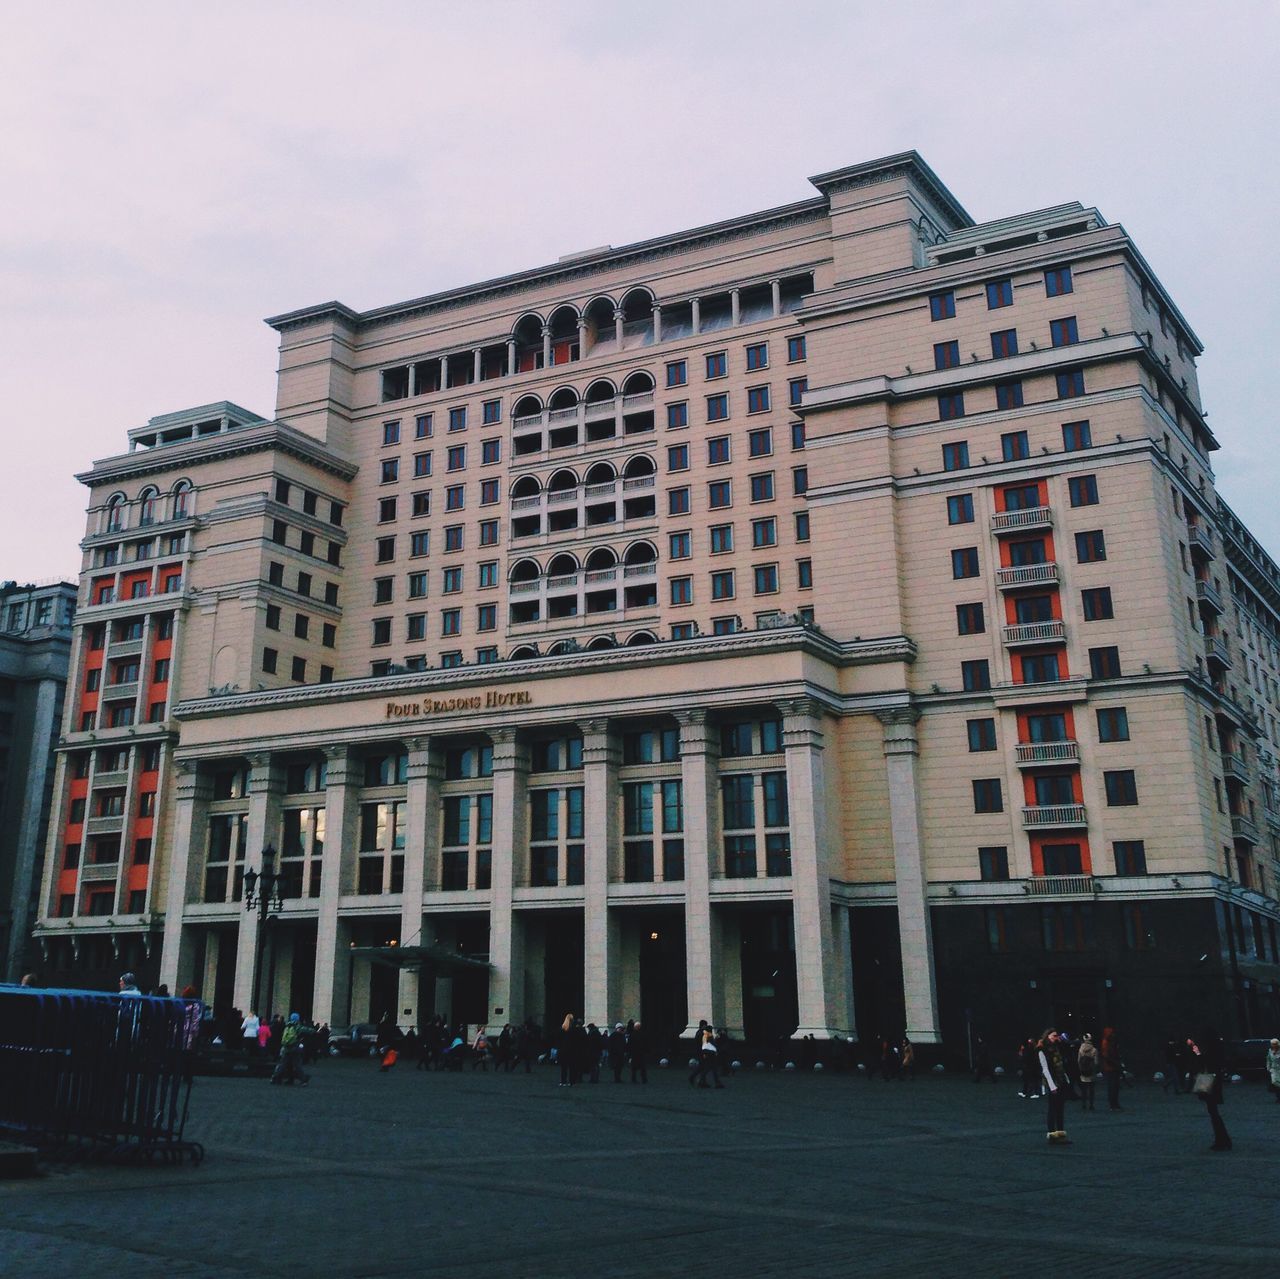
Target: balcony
{"x":1039,"y":754}
{"x":1215,"y":651}
{"x":111,"y":780}
{"x":104,"y":825}
{"x":1200,"y":539}
{"x":97,"y":872}
{"x":1021,"y":576}
{"x":1234,"y":767}
{"x":1061,"y":886}
{"x":1244,"y":828}
{"x":1209,"y":596}
{"x":122,"y":692}
{"x":1034,"y":517}
{"x":1044,"y":816}
{"x":126,"y":648}
{"x":1052,"y":632}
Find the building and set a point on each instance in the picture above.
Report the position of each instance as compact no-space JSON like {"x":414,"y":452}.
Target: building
{"x":823,"y":621}
{"x":35,"y":651}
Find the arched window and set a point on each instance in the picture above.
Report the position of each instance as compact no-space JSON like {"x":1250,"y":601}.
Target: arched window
{"x":181,"y":499}
{"x":147,"y":507}
{"x":638,"y":383}
{"x":523,"y":653}
{"x":115,"y":513}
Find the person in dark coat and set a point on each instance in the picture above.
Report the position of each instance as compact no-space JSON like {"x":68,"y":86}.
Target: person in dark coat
{"x":1109,"y":1052}
{"x":617,"y":1050}
{"x":592,"y":1051}
{"x":1213,"y":1062}
{"x":638,"y":1053}
{"x":982,"y":1067}
{"x":1053,"y":1070}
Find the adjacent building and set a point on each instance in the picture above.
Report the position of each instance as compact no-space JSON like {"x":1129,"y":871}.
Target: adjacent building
{"x":823,"y":622}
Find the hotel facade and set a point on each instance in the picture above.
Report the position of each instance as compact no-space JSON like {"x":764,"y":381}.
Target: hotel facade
{"x":822,"y":622}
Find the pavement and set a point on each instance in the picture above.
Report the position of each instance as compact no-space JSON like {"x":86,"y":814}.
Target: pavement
{"x":409,"y":1173}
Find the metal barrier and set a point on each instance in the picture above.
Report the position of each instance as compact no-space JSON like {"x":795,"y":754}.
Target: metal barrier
{"x":98,"y":1074}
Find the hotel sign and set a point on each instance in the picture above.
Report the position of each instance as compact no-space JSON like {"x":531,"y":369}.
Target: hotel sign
{"x":492,"y":700}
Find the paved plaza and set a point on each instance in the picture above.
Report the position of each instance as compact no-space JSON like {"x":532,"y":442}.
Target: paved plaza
{"x":408,"y":1173}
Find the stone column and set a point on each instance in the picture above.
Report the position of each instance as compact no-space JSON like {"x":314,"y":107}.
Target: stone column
{"x":820,"y":971}
{"x":901,"y":750}
{"x":582,"y":338}
{"x":510,"y":846}
{"x":266,"y":789}
{"x":511,"y":356}
{"x":657,"y":322}
{"x":341,"y":824}
{"x":735,"y":305}
{"x":421,"y":833}
{"x":618,"y":324}
{"x":444,"y":372}
{"x":600,"y":758}
{"x":477,"y":357}
{"x":192,"y":794}
{"x":703,"y":940}
{"x":776,"y":287}
{"x":546,"y":346}
{"x":842,"y":940}
{"x":413,"y":380}
{"x":695,"y":306}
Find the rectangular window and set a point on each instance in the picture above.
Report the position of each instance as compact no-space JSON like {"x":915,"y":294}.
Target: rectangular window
{"x":1076,"y":436}
{"x":1096,"y":604}
{"x":717,"y":408}
{"x":988,"y":795}
{"x":1009,"y":395}
{"x":1137,"y":926}
{"x":719,"y":494}
{"x":1070,"y":384}
{"x":1121,"y":786}
{"x":453,"y":537}
{"x":716,"y":365}
{"x":795,"y":350}
{"x":766,"y":579}
{"x":1015,"y":446}
{"x":718,"y":450}
{"x":946,"y":355}
{"x":387,"y":510}
{"x":982,"y":735}
{"x":451,"y":621}
{"x":490,"y":412}
{"x":1113,"y":724}
{"x":678,"y":457}
{"x":997,"y":932}
{"x":1057,"y":281}
{"x":1083,"y":490}
{"x":758,"y":399}
{"x":488,"y":533}
{"x":1064,"y":332}
{"x":1104,"y":663}
{"x":1062,"y":859}
{"x":722,"y":585}
{"x":955,"y":456}
{"x":486,"y":617}
{"x":797,"y":435}
{"x":1040,"y":668}
{"x":796,"y":389}
{"x":960,"y":509}
{"x":804,"y":574}
{"x":679,"y":546}
{"x":682,"y":590}
{"x":452,"y":581}
{"x":487,"y":574}
{"x":964,"y":562}
{"x":677,"y":415}
{"x":454,"y":498}
{"x":999,"y":293}
{"x":491,"y":451}
{"x":764,"y":532}
{"x":1091,"y":547}
{"x":975,"y":675}
{"x":417,"y":586}
{"x":420,"y":543}
{"x":390,"y":470}
{"x":970,"y":620}
{"x":1004,"y":344}
{"x":678,"y":501}
{"x":421,"y":429}
{"x":458,"y":418}
{"x":762,"y":487}
{"x":950,"y":406}
{"x":760,"y":442}
{"x":489,"y":492}
{"x":677,"y":373}
{"x":721,"y":538}
{"x":456,"y":458}
{"x":421,"y":464}
{"x":269,"y":660}
{"x":386,"y":549}
{"x":942,"y":306}
{"x":757,"y":356}
{"x":1131,"y":857}
{"x":802,"y":526}
{"x":799,"y":480}
{"x":993,"y":863}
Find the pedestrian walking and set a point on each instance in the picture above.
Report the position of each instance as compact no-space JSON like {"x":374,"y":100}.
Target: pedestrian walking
{"x":617,"y":1050}
{"x":1087,"y":1063}
{"x":249,"y":1033}
{"x":908,"y":1068}
{"x":707,"y":1062}
{"x":1054,"y":1073}
{"x":638,"y":1053}
{"x":1208,"y":1085}
{"x":289,"y":1067}
{"x":1029,"y":1063}
{"x":1112,"y":1067}
{"x":1273,"y":1068}
{"x":695,"y":1054}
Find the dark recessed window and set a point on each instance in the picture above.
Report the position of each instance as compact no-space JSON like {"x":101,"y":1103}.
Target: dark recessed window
{"x":982,"y":734}
{"x":999,"y":293}
{"x":1083,"y":490}
{"x":942,"y":306}
{"x":1057,"y":281}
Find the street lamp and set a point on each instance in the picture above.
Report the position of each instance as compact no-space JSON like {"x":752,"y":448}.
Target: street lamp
{"x":262,"y":893}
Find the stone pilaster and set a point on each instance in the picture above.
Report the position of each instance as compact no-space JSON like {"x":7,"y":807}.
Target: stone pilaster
{"x":703,"y":943}
{"x":192,"y":793}
{"x":510,"y":846}
{"x":266,"y":789}
{"x":600,"y":758}
{"x":421,"y":851}
{"x":337,"y":870}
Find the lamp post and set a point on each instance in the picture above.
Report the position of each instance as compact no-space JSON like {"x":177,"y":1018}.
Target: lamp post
{"x":262,"y":893}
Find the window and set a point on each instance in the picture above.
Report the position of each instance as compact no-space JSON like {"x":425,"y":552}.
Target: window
{"x":451,"y":621}
{"x":490,"y":412}
{"x":760,"y":442}
{"x":486,"y":617}
{"x":942,"y":306}
{"x":269,"y":658}
{"x":677,"y":373}
{"x":454,"y":498}
{"x":718,"y":450}
{"x":1096,"y":604}
{"x":273,"y":617}
{"x":382,"y":630}
{"x":1040,"y":668}
{"x":1113,"y":724}
{"x":452,"y":580}
{"x":762,"y":487}
{"x":717,"y":408}
{"x":721,"y":538}
{"x":960,"y":509}
{"x":1076,"y":436}
{"x":1083,"y":490}
{"x":385,"y":549}
{"x":1004,"y":344}
{"x":1063,"y":332}
{"x":722,"y":585}
{"x":421,"y":465}
{"x":719,"y":494}
{"x":1131,"y":857}
{"x":490,"y":451}
{"x":802,"y":526}
{"x":1070,"y":384}
{"x":329,"y":635}
{"x":804,"y":575}
{"x":456,"y":458}
{"x":1057,"y":281}
{"x":390,"y":471}
{"x":1091,"y":547}
{"x":678,"y":501}
{"x":682,"y":590}
{"x":679,"y":546}
{"x":677,"y":415}
{"x":458,"y":418}
{"x":764,"y":532}
{"x":1062,"y":859}
{"x":1137,"y":926}
{"x":387,"y":510}
{"x":799,"y":480}
{"x":1015,"y":447}
{"x":969,"y":619}
{"x":796,"y":389}
{"x":160,"y":673}
{"x":390,"y":433}
{"x":946,"y":355}
{"x":955,"y":456}
{"x":766,"y":579}
{"x":975,"y":675}
{"x":950,"y":405}
{"x":1121,"y":787}
{"x":678,"y":457}
{"x":1009,"y":394}
{"x":716,"y":365}
{"x":488,"y":533}
{"x":488,"y":492}
{"x":299,"y":671}
{"x":964,"y":562}
{"x":797,"y":435}
{"x":795,"y":350}
{"x":982,"y":735}
{"x":453,"y":537}
{"x":758,"y":356}
{"x":999,"y":293}
{"x":993,"y":863}
{"x":1104,"y":663}
{"x":301,"y":625}
{"x":988,"y":796}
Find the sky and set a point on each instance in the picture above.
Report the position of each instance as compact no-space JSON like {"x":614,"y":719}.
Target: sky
{"x":171,"y":174}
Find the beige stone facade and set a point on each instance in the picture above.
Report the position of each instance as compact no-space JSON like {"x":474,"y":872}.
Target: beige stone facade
{"x":817,"y":622}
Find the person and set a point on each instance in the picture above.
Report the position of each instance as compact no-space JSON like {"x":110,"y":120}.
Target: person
{"x":1030,"y":1066}
{"x":695,"y":1054}
{"x":480,"y":1050}
{"x":564,"y":1051}
{"x":161,"y":991}
{"x":502,"y":1057}
{"x":909,"y":1061}
{"x":1172,"y":1071}
{"x":289,"y":1066}
{"x":28,"y":979}
{"x":1054,"y":1073}
{"x":592,"y":1050}
{"x":129,"y":985}
{"x":269,"y":1034}
{"x":617,"y":1049}
{"x":1273,"y":1068}
{"x":249,"y":1032}
{"x":1087,"y":1063}
{"x":1188,"y":1062}
{"x":707,"y":1062}
{"x":982,"y":1066}
{"x":1208,"y":1085}
{"x":1109,"y":1053}
{"x":390,"y":1055}
{"x":637,"y":1051}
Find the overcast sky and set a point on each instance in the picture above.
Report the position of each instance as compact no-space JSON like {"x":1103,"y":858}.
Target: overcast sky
{"x":170,"y":175}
